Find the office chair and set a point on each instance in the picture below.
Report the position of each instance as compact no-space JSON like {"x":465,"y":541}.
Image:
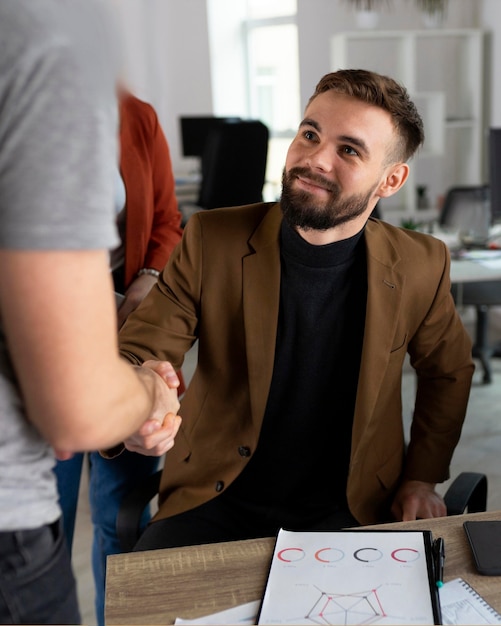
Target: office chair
{"x":467,"y":492}
{"x":233,"y":166}
{"x":467,"y":210}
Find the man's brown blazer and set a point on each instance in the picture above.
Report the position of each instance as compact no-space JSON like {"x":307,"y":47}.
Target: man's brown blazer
{"x":221,"y":286}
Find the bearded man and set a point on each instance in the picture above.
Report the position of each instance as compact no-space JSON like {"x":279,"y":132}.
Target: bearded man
{"x":304,"y":311}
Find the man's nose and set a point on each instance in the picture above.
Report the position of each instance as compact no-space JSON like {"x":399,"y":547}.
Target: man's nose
{"x":322,"y":158}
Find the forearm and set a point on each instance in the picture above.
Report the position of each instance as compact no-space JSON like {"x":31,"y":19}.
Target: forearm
{"x":60,"y":322}
{"x":134,"y":295}
{"x":105,"y":411}
{"x":139,"y":395}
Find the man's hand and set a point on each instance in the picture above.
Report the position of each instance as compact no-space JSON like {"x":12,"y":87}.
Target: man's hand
{"x":134,"y":295}
{"x":165,"y":370}
{"x":417,"y":500}
{"x":156,"y":436}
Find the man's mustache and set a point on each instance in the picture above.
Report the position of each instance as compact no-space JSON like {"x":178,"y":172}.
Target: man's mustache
{"x":318,"y":179}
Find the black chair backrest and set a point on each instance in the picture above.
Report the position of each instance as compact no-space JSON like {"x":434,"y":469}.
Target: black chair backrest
{"x":467,"y":209}
{"x":234,"y":164}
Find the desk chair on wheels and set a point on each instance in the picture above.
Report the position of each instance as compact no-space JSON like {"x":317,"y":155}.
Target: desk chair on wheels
{"x":467,"y":210}
{"x":467,"y":492}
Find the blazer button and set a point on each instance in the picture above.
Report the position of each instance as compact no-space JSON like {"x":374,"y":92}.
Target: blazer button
{"x":219,"y":486}
{"x":244,"y":451}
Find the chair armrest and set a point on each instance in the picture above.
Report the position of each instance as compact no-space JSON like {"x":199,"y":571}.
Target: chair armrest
{"x":468,"y":492}
{"x":128,"y":524}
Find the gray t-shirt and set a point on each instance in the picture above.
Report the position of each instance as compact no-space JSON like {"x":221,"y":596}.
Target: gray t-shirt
{"x":58,"y":149}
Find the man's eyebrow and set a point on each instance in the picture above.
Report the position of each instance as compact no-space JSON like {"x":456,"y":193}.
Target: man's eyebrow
{"x":355,"y":141}
{"x":359,"y":143}
{"x":309,"y":122}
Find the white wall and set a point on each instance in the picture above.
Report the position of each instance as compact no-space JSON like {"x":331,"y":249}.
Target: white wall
{"x":168,"y":54}
{"x":491,"y":20}
{"x":167,"y":60}
{"x":318,"y":20}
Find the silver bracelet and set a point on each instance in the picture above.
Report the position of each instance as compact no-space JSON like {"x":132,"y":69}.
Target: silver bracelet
{"x":150,"y":271}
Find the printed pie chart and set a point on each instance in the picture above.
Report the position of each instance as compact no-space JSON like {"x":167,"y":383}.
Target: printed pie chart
{"x":368,"y":555}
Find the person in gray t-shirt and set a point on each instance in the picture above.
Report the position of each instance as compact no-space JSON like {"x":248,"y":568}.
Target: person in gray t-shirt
{"x":63,"y":386}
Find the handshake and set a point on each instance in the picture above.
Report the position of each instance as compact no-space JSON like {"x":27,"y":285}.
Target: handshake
{"x":156,"y":436}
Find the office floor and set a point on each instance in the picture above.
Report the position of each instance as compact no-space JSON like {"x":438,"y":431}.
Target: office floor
{"x":478,"y":450}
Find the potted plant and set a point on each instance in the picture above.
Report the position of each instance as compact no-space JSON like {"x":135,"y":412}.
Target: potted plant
{"x":433,"y":11}
{"x":367,"y":11}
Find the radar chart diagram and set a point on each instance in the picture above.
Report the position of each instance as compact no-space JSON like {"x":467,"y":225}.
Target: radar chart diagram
{"x":363,"y":607}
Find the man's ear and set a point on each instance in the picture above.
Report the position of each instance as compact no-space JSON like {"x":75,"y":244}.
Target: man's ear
{"x":395,"y":177}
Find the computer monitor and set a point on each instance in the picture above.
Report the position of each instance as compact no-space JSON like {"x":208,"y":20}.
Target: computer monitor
{"x":195,"y":130}
{"x":495,"y":173}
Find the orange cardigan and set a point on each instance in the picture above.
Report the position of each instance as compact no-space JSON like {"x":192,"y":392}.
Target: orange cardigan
{"x":152,"y":216}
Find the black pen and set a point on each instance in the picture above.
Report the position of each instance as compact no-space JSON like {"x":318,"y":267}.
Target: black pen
{"x":439,"y":561}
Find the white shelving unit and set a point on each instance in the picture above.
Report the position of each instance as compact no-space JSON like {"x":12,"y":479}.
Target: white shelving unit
{"x":443,"y":72}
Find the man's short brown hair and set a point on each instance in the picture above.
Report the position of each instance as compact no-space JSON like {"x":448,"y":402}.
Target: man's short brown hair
{"x":386,"y":93}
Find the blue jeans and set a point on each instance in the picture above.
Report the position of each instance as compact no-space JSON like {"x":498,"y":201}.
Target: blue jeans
{"x":37,"y":585}
{"x":109,"y":481}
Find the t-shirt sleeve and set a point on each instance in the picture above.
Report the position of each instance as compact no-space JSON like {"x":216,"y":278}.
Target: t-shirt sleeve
{"x":58,"y":144}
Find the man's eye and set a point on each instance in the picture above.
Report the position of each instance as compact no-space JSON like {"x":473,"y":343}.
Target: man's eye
{"x":350,"y":150}
{"x":309,"y":134}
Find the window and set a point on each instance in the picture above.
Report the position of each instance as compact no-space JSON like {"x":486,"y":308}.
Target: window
{"x":265,"y":8}
{"x":255,"y":43}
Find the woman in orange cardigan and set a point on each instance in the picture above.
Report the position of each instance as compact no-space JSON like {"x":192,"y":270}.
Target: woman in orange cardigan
{"x":148,"y":221}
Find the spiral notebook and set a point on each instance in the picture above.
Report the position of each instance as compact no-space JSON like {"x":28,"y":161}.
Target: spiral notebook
{"x":461,"y":604}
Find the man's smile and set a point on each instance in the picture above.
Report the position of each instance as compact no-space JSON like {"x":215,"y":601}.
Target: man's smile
{"x":313,"y":183}
{"x":309,"y":185}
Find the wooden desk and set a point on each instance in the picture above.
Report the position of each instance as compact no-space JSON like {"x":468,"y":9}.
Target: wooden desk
{"x":156,"y":587}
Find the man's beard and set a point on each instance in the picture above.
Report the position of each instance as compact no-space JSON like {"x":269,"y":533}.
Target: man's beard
{"x":301,"y":210}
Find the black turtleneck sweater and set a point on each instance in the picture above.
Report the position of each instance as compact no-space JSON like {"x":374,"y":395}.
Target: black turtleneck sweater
{"x":298,"y":473}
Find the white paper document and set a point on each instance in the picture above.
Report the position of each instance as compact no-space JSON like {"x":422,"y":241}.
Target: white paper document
{"x":242,"y":614}
{"x":357,"y":577}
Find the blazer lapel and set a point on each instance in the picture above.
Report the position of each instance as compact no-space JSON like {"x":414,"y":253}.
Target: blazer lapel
{"x":384,"y":299}
{"x":261,"y":296}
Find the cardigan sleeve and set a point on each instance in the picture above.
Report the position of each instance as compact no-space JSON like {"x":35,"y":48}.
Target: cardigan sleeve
{"x":152,"y":215}
{"x":166,"y":230}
